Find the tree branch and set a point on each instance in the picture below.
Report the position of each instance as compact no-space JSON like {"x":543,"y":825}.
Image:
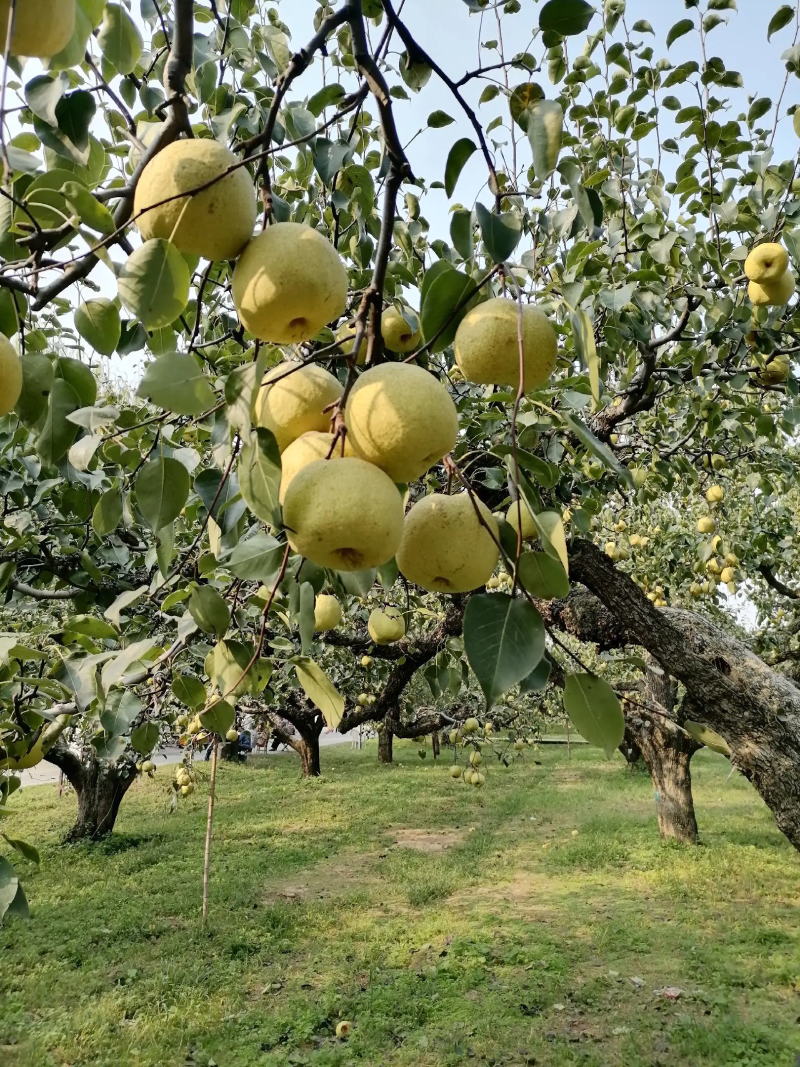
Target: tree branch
{"x":178,"y":67}
{"x":775,"y":583}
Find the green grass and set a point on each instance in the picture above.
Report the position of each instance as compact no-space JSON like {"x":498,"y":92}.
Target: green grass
{"x":515,"y":945}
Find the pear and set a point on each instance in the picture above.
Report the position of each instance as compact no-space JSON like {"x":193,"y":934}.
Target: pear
{"x":455,"y":771}
{"x":216,"y":223}
{"x":728,"y":575}
{"x":232,"y":735}
{"x":386,"y":625}
{"x":327,"y":613}
{"x":398,"y":336}
{"x":42,"y":28}
{"x":366,"y":661}
{"x":715,"y":494}
{"x":445,"y":546}
{"x":529,"y":531}
{"x":289,"y":283}
{"x":10,"y":376}
{"x":400,"y":418}
{"x":772,"y":294}
{"x":767,"y":263}
{"x":306,"y":449}
{"x":295,"y":404}
{"x":486,"y":345}
{"x":705,"y":525}
{"x":346,"y":515}
{"x":470,"y":726}
{"x":775,"y":372}
{"x":346,"y":336}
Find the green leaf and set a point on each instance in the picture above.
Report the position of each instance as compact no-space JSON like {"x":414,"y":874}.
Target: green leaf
{"x":9,"y":884}
{"x":80,"y":377}
{"x":122,"y":707}
{"x":680,"y":29}
{"x":704,"y":736}
{"x":162,"y":489}
{"x":320,"y":690}
{"x":178,"y":382}
{"x":154,"y":284}
{"x":504,"y":641}
{"x":782,"y":17}
{"x":415,"y":73}
{"x":188,"y":690}
{"x":305,"y":617}
{"x":98,"y":323}
{"x":500,"y":233}
{"x":461,"y":233}
{"x":209,"y":610}
{"x":260,"y":476}
{"x":545,"y":131}
{"x":90,"y":211}
{"x":219,"y":718}
{"x":597,"y":448}
{"x":43,"y":93}
{"x":225,"y":665}
{"x":566,"y":17}
{"x":543,"y":576}
{"x":37,"y":384}
{"x":145,"y":738}
{"x":595,"y":711}
{"x":456,"y":161}
{"x":583,"y":334}
{"x":257,"y":559}
{"x":107,"y":514}
{"x":537,"y":680}
{"x":58,"y":432}
{"x":119,"y":39}
{"x":124,"y":600}
{"x":24,"y":849}
{"x":438,"y":119}
{"x":441,"y":299}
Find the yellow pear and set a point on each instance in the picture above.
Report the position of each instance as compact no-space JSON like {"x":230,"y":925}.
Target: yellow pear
{"x":715,"y":494}
{"x":401,"y":418}
{"x":767,"y":263}
{"x":775,"y":372}
{"x":772,"y":294}
{"x":10,"y":376}
{"x":293,"y":404}
{"x":41,"y":27}
{"x":346,"y":336}
{"x":327,"y":613}
{"x":398,"y":336}
{"x":289,"y":283}
{"x":529,"y":531}
{"x":486,"y":345}
{"x":386,"y":625}
{"x":705,"y":525}
{"x":445,"y":547}
{"x":307,"y":449}
{"x":216,"y":223}
{"x":728,"y":575}
{"x":346,"y":515}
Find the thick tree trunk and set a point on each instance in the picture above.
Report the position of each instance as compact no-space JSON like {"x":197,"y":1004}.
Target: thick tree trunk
{"x":100,"y":788}
{"x":385,"y":743}
{"x":308,"y":748}
{"x":667,"y":751}
{"x":755,"y":709}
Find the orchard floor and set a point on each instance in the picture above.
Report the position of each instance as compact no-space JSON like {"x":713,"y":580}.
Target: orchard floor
{"x":539,"y":921}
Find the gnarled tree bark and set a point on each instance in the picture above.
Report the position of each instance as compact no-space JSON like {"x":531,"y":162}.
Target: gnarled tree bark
{"x":385,"y":743}
{"x":100,"y":788}
{"x":755,"y":709}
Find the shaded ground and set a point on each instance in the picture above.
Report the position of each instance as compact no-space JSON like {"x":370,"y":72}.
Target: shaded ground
{"x":539,"y":921}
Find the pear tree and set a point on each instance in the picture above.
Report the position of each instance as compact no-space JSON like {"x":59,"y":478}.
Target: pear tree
{"x":588,"y":295}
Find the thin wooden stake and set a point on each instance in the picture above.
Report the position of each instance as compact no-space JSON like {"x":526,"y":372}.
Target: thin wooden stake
{"x":569,"y":743}
{"x":209,"y":825}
